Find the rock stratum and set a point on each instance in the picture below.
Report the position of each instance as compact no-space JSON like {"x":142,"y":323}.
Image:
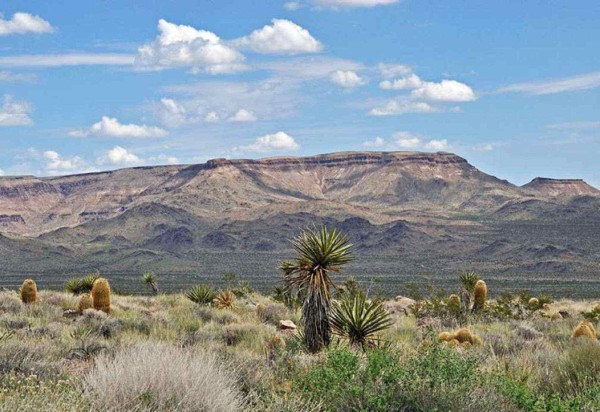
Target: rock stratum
{"x":412,"y":214}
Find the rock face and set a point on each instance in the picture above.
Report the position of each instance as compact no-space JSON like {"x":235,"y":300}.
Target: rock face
{"x":427,"y":210}
{"x":561,"y":187}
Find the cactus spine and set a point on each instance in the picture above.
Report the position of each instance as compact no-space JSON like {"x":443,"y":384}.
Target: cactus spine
{"x":480,"y":295}
{"x":101,"y":295}
{"x":28,"y":291}
{"x":85,"y":302}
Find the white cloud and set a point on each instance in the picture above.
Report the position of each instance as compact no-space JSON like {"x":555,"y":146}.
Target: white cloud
{"x":484,"y":147}
{"x":69,"y":59}
{"x":353,"y":3}
{"x":412,"y":81}
{"x":389,"y":71}
{"x":293,"y":5}
{"x":279,"y":141}
{"x":575,"y":126}
{"x":22,"y":23}
{"x":119,"y":156}
{"x":172,"y":113}
{"x":581,"y":82}
{"x":347,"y":78}
{"x":111,"y":127}
{"x":212,"y":117}
{"x":444,"y":91}
{"x":9,"y":77}
{"x":282,"y":37}
{"x":437,"y":144}
{"x":308,"y":67}
{"x":14,"y":113}
{"x":402,"y":106}
{"x":406,"y":140}
{"x":377,"y":142}
{"x":185,"y":46}
{"x":242,"y":116}
{"x":55,"y":163}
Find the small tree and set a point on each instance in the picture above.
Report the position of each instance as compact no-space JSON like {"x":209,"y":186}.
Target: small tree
{"x":320,"y":252}
{"x":150,"y":280}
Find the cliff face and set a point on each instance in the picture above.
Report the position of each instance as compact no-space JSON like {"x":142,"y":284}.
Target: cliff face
{"x":378,"y":186}
{"x":561,"y":187}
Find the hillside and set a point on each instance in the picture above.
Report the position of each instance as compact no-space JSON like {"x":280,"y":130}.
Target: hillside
{"x":412,"y":214}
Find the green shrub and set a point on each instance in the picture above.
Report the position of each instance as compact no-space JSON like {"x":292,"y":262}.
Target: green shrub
{"x":201,"y":294}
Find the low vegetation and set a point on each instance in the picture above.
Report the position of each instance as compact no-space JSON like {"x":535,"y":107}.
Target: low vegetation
{"x":236,"y":349}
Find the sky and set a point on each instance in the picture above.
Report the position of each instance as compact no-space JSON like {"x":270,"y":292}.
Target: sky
{"x":514,"y":87}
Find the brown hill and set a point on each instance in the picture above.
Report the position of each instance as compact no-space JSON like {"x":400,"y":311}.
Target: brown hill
{"x":561,"y":187}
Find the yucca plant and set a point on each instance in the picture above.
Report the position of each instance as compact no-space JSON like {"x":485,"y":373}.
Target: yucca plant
{"x":150,"y":280}
{"x":224,"y":300}
{"x":201,"y":294}
{"x":81,"y":285}
{"x":468,"y":280}
{"x":320,"y":252}
{"x":359,"y":320}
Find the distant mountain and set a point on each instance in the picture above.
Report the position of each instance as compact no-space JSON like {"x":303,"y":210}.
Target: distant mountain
{"x":420,"y":211}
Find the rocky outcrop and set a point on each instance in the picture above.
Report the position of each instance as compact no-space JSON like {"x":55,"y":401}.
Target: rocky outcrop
{"x":561,"y":187}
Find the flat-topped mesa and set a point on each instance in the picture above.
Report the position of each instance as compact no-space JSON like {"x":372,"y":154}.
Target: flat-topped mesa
{"x":561,"y":187}
{"x":346,"y":158}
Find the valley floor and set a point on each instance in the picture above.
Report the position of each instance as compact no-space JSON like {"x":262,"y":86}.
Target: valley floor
{"x":167,"y":353}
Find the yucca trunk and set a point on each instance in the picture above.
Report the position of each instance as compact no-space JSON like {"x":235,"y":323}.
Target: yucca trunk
{"x":315,"y":313}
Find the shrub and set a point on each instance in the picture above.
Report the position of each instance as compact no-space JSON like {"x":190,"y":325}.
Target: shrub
{"x":577,"y":369}
{"x":359,"y":320}
{"x":272,"y":312}
{"x":159,"y":377}
{"x":222,"y":317}
{"x":101,"y":295}
{"x":201,"y":294}
{"x":81,"y":285}
{"x":28,"y":291}
{"x":224,"y":300}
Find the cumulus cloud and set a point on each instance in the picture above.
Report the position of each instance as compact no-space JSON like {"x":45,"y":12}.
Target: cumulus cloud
{"x":282,"y":37}
{"x":275,"y":142}
{"x":412,"y":81}
{"x":119,"y":156}
{"x":402,"y":106}
{"x":56,"y":164}
{"x":242,"y":116}
{"x":406,"y":140}
{"x":14,"y":112}
{"x":389,"y":71}
{"x":346,"y":78}
{"x":437,"y":144}
{"x":111,"y":127}
{"x":377,"y":142}
{"x":581,"y":82}
{"x":22,"y":23}
{"x":444,"y":91}
{"x":212,"y":117}
{"x":353,"y":3}
{"x":185,"y":46}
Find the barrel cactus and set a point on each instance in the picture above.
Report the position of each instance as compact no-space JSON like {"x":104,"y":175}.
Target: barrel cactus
{"x":85,"y":302}
{"x":584,"y":328}
{"x":480,"y":295}
{"x":454,"y":303}
{"x":28,"y":291}
{"x":101,"y":295}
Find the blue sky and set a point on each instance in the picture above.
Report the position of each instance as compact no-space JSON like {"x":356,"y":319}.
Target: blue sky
{"x":512,"y":86}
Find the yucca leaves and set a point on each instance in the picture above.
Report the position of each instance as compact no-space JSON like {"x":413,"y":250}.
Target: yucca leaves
{"x":150,"y":280}
{"x":201,"y":294}
{"x":319,"y":253}
{"x":81,"y":285}
{"x":468,"y":280}
{"x":359,"y":319}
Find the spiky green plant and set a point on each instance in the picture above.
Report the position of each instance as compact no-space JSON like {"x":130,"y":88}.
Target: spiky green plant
{"x":224,"y":300}
{"x":201,"y":294}
{"x":320,"y":252}
{"x":359,"y":320}
{"x":150,"y":280}
{"x":81,"y":285}
{"x":468,"y":280}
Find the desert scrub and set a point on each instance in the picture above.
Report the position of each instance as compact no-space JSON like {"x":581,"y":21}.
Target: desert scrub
{"x":28,"y":291}
{"x":272,"y":312}
{"x":154,"y":376}
{"x":101,"y":295}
